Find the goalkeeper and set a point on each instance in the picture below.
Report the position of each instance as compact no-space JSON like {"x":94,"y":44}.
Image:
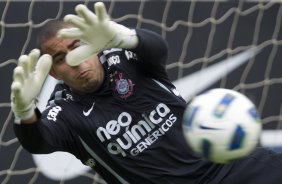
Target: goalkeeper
{"x":116,"y":109}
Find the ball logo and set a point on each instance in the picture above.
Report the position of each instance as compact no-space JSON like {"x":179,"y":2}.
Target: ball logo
{"x":90,"y":162}
{"x":223,"y":105}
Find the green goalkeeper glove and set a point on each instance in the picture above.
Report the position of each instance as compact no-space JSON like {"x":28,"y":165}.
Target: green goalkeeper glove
{"x":97,"y":31}
{"x":28,"y":79}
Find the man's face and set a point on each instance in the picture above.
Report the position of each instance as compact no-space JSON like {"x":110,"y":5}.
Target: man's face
{"x":84,"y":78}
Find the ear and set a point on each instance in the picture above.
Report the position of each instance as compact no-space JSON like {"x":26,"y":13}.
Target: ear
{"x":52,"y":72}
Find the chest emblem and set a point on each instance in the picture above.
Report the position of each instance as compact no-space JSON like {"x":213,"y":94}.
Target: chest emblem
{"x":124,"y":87}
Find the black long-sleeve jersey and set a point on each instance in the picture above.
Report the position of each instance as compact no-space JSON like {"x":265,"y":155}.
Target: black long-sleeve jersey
{"x":129,"y":130}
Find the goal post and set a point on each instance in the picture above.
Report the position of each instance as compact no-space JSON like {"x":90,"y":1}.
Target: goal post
{"x":230,"y":44}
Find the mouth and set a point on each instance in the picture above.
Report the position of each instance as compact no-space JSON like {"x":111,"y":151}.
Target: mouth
{"x":83,"y":74}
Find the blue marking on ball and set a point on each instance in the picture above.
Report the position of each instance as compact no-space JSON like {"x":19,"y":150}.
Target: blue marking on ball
{"x":238,"y":138}
{"x":254,"y":114}
{"x":223,"y":105}
{"x":189,"y":116}
{"x":206,"y":147}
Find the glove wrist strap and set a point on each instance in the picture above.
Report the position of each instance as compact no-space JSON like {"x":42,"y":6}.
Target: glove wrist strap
{"x":25,"y":114}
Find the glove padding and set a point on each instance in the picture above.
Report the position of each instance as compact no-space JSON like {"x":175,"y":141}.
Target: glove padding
{"x":28,"y":79}
{"x":97,"y":31}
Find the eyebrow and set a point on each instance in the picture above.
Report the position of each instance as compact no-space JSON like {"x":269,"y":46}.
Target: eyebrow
{"x":71,"y":45}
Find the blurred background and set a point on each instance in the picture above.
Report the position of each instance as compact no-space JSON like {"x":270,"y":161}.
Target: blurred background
{"x":201,"y":35}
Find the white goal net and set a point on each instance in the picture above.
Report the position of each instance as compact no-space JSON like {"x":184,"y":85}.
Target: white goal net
{"x":230,"y":44}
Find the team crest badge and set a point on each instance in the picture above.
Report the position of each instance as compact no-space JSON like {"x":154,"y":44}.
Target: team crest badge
{"x":124,"y":87}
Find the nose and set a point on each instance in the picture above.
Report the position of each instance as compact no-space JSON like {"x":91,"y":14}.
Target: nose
{"x":79,"y":54}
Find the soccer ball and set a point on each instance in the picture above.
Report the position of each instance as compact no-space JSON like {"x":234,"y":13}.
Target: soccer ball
{"x":222,"y":125}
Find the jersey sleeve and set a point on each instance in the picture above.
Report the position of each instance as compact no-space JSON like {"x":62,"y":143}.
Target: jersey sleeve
{"x":50,"y":133}
{"x":30,"y":137}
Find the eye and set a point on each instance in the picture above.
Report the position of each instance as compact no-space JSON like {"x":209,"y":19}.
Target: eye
{"x":76,"y":44}
{"x":58,"y":59}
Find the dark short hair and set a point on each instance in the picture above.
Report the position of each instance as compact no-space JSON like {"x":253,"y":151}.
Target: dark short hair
{"x":49,"y":30}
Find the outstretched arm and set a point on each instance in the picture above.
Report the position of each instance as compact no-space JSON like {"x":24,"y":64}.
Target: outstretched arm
{"x":28,"y":80}
{"x":97,"y":31}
